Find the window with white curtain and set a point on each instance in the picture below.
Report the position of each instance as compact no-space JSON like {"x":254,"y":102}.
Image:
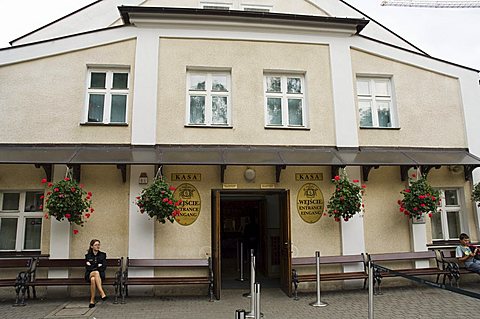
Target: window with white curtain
{"x":447,"y":223}
{"x":375,"y":102}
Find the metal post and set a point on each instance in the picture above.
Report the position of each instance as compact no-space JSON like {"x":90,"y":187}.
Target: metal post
{"x":318,"y":303}
{"x":370,"y":290}
{"x":257,"y":301}
{"x":251,"y":314}
{"x":242,"y":278}
{"x":239,"y":314}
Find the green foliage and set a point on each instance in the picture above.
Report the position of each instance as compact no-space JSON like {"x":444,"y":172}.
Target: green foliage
{"x":476,"y":194}
{"x":66,"y":199}
{"x":346,"y":199}
{"x":419,"y":198}
{"x":158,"y":202}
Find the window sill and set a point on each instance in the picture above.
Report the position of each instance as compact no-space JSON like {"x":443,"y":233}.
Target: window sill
{"x":299,"y":128}
{"x":379,"y":128}
{"x":20,"y":254}
{"x":102,"y":124}
{"x":445,"y":244}
{"x":208,"y":126}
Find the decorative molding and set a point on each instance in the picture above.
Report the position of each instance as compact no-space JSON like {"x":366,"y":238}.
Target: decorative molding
{"x":366,"y":171}
{"x":48,"y":168}
{"x":123,"y":171}
{"x":278,"y":172}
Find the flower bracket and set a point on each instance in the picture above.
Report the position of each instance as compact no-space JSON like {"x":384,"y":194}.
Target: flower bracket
{"x":76,"y":171}
{"x":48,"y":168}
{"x":123,"y":171}
{"x":278,"y":172}
{"x":425,"y":169}
{"x":366,"y":171}
{"x":335,"y":169}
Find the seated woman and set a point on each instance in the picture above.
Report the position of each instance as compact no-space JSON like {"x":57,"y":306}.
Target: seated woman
{"x":95,"y":265}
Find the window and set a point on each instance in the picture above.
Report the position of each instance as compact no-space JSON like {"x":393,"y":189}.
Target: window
{"x":208,"y":98}
{"x":375,"y":102}
{"x":20,"y":220}
{"x":284,"y":101}
{"x":107,"y":95}
{"x":447,"y":223}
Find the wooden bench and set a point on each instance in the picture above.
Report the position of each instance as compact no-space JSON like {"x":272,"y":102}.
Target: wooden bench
{"x":21,"y":278}
{"x":384,"y":259}
{"x":113,"y":277}
{"x":329,"y":276}
{"x":449,"y":261}
{"x":206,"y":279}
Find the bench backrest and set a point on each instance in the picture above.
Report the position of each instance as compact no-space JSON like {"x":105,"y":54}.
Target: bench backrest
{"x":402,"y":256}
{"x":15,"y":262}
{"x":73,"y":263}
{"x":167,"y":262}
{"x":326,"y":260}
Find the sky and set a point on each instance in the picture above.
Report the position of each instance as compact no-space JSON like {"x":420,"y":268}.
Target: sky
{"x":449,"y":34}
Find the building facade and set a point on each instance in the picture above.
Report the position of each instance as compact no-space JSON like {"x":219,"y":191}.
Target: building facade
{"x":246,"y":104}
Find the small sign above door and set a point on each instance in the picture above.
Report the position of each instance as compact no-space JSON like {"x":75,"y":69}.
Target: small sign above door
{"x":186,"y":177}
{"x":309,"y":176}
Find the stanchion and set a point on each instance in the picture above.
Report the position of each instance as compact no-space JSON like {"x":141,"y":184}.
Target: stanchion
{"x":252,"y":275}
{"x":258,"y":313}
{"x":318,"y":303}
{"x":239,"y":314}
{"x":370,"y":290}
{"x":240,"y":254}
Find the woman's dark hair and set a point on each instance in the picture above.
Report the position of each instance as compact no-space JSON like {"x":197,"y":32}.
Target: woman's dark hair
{"x":463,"y":236}
{"x":93,"y":241}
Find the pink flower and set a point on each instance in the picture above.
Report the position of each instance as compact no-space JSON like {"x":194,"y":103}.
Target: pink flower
{"x":66,"y":179}
{"x":165,"y":200}
{"x":337,"y":178}
{"x":42,"y":197}
{"x":356,"y":181}
{"x":41,"y":206}
{"x":73,"y":189}
{"x":172,"y":188}
{"x":44,"y":180}
{"x":170,"y":202}
{"x":422,"y":204}
{"x":56,"y":189}
{"x":68,"y":216}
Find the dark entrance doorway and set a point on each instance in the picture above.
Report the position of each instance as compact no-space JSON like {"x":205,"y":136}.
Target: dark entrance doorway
{"x":261,"y":221}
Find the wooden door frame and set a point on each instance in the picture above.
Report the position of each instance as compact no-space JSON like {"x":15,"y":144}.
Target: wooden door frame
{"x":216,"y":195}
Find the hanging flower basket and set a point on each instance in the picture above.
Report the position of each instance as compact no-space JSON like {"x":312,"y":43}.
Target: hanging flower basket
{"x":157,"y":201}
{"x":419,"y":199}
{"x":476,"y":194}
{"x":346,"y":199}
{"x":67,"y":200}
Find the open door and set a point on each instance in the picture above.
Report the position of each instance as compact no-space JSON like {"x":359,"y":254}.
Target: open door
{"x":285,"y":240}
{"x":216,"y":249}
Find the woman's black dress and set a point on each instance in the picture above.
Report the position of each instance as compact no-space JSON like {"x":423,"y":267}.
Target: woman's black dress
{"x":97,"y":262}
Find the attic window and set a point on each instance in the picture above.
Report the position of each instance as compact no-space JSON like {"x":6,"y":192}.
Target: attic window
{"x":216,"y":7}
{"x":256,"y":9}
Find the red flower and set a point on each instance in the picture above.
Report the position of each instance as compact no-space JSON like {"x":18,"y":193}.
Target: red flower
{"x":364,"y":186}
{"x":81,"y":185}
{"x":68,"y":216}
{"x":399,"y":202}
{"x":75,"y":231}
{"x":415,"y":208}
{"x":324,"y":214}
{"x":402,"y":209}
{"x":42,"y":197}
{"x":44,"y":180}
{"x":87,"y":197}
{"x":89,"y":194}
{"x":46,"y":216}
{"x":56,"y":189}
{"x":422,"y":204}
{"x":49,"y":193}
{"x":73,"y":189}
{"x":430,"y":215}
{"x":176,"y":213}
{"x":92,"y":210}
{"x":342,"y":198}
{"x":66,"y":179}
{"x":50,"y":184}
{"x":407,"y":190}
{"x":356,"y":181}
{"x":87,"y":215}
{"x":138,"y":197}
{"x":40,"y":207}
{"x":337,"y":178}
{"x":414,"y":175}
{"x":172,"y":188}
{"x":165,"y":200}
{"x":337,"y":219}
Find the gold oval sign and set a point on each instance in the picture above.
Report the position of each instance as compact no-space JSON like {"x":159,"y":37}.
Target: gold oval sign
{"x":310,"y":203}
{"x":190,"y":206}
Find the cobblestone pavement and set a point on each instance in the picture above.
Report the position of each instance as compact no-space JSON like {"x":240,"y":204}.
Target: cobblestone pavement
{"x":399,"y":302}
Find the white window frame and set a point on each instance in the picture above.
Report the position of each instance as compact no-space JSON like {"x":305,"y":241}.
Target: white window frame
{"x":107,"y":92}
{"x":443,"y":209}
{"x":375,"y":99}
{"x":285,"y":97}
{"x":208,"y":93}
{"x":21,"y":215}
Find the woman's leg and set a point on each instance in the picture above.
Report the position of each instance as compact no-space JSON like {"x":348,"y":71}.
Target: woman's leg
{"x":92,"y":288}
{"x":98,"y":283}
